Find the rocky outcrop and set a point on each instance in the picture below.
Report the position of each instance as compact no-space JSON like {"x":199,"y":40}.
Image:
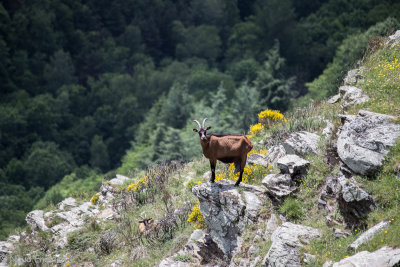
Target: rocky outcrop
{"x":354,"y":202}
{"x":286,"y":244}
{"x":275,"y":153}
{"x":36,"y":221}
{"x":279,"y":185}
{"x":119,"y":180}
{"x":258,"y":159}
{"x":353,"y":76}
{"x":302,"y":143}
{"x":393,"y":40}
{"x":383,"y":257}
{"x":368,"y":235}
{"x":226,"y":211}
{"x":293,"y":165}
{"x":6,"y":248}
{"x":201,"y":250}
{"x":351,"y":96}
{"x":271,"y":226}
{"x":365,"y":140}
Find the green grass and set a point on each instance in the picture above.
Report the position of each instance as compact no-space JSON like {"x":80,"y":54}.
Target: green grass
{"x":183,"y":258}
{"x":292,"y":208}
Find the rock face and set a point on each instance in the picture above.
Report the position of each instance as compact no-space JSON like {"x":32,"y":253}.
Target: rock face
{"x":226,"y":211}
{"x":257,"y":159}
{"x":293,"y":165}
{"x":368,"y":235}
{"x":354,"y":202}
{"x":351,"y":95}
{"x":394,"y":39}
{"x":272,"y":224}
{"x":5,"y":249}
{"x":279,"y":185}
{"x":119,"y":180}
{"x":353,"y":76}
{"x":275,"y":153}
{"x":383,"y":257}
{"x":302,"y":143}
{"x":285,"y":248}
{"x":36,"y":221}
{"x":364,"y":142}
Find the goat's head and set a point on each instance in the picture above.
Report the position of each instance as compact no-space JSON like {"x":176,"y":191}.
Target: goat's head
{"x":145,"y":224}
{"x":202,"y":131}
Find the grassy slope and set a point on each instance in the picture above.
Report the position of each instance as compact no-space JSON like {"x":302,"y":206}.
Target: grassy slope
{"x":381,"y":84}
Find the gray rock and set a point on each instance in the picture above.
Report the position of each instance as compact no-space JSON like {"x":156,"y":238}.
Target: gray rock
{"x":383,"y":257}
{"x":393,"y":40}
{"x":353,"y":77}
{"x":119,"y":180}
{"x":328,"y":130}
{"x":293,"y":165}
{"x":13,"y":239}
{"x":334,"y":99}
{"x":352,"y":96}
{"x":272,"y":225}
{"x":302,"y":143}
{"x":366,"y":113}
{"x":67,"y":203}
{"x":368,"y":235}
{"x":275,"y":153}
{"x":309,"y":258}
{"x":354,"y":202}
{"x":258,"y":159}
{"x":253,"y":250}
{"x":279,"y":185}
{"x":364,"y":142}
{"x":60,"y":233}
{"x":255,"y":262}
{"x":36,"y":221}
{"x":328,"y":264}
{"x":340,"y":233}
{"x":226,"y":211}
{"x":6,"y":248}
{"x":285,"y":247}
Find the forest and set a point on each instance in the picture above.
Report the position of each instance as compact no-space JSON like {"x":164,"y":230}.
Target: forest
{"x":90,"y":87}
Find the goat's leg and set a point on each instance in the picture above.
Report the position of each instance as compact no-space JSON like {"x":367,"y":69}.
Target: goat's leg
{"x":213,"y":163}
{"x":242,"y":164}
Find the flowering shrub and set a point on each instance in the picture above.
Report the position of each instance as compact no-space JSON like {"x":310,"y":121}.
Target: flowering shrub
{"x":94,"y":198}
{"x":269,"y":117}
{"x":256,"y":129}
{"x":196,"y":217}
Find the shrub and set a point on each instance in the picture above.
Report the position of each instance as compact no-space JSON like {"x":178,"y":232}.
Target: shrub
{"x":196,"y":217}
{"x":292,"y":208}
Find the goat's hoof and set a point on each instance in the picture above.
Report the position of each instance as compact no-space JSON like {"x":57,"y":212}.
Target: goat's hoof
{"x":212,"y":181}
{"x":236,"y":185}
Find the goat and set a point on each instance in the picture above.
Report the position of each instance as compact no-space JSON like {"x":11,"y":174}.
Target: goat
{"x":228,"y":148}
{"x":146,"y":224}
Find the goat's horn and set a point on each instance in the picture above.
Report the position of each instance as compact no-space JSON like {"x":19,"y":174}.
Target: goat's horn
{"x":198,"y":123}
{"x":204,"y":122}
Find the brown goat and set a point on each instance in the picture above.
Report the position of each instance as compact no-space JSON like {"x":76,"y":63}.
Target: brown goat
{"x":229,"y":148}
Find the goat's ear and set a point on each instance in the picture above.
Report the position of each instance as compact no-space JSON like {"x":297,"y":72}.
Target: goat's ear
{"x":195,"y":130}
{"x":208,"y":128}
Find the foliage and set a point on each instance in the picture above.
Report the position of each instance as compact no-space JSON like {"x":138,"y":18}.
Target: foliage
{"x":196,"y":218}
{"x":292,"y":208}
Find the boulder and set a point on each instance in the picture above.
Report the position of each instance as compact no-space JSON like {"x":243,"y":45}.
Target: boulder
{"x":272,"y":225}
{"x":36,"y":221}
{"x":67,"y":203}
{"x":6,"y":248}
{"x":353,"y":77}
{"x":368,"y":235}
{"x":275,"y":153}
{"x":201,"y":249}
{"x":257,"y":159}
{"x":302,"y":143}
{"x":293,"y":165}
{"x":354,"y":202}
{"x":393,"y":40}
{"x":365,"y":140}
{"x":328,"y":130}
{"x":119,"y":180}
{"x":226,"y":211}
{"x":286,"y":244}
{"x":383,"y":257}
{"x":334,"y":99}
{"x":340,"y":233}
{"x":351,"y":95}
{"x":279,"y":185}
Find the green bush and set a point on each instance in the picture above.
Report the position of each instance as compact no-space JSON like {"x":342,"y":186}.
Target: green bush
{"x":292,"y":208}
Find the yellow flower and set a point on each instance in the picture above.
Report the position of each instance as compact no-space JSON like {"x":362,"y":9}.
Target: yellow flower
{"x":94,"y":198}
{"x":199,"y":183}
